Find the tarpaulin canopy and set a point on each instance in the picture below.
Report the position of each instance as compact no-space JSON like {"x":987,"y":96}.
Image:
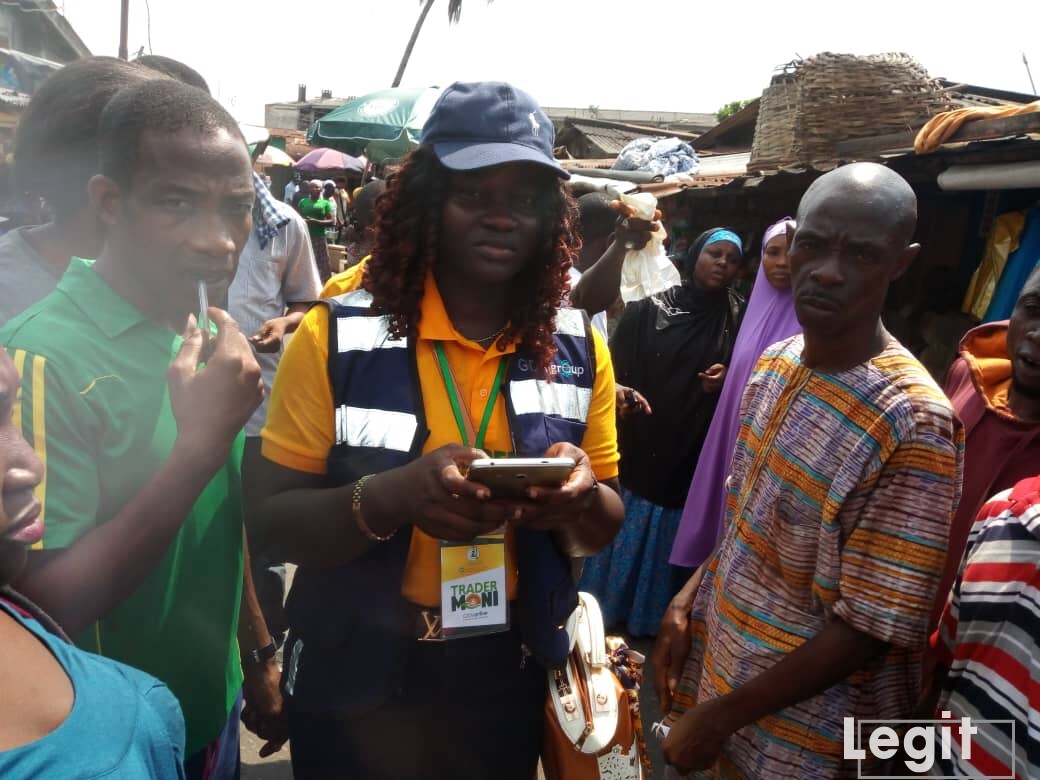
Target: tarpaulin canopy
{"x":274,"y":156}
{"x":384,"y":125}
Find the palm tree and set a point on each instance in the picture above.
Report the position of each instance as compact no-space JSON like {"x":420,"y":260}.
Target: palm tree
{"x":454,"y":14}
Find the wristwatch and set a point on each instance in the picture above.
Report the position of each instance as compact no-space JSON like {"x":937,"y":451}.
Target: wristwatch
{"x":258,"y":656}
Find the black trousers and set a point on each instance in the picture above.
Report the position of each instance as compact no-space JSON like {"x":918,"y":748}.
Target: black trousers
{"x":466,"y":710}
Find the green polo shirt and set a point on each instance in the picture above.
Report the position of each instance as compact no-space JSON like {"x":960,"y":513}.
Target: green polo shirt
{"x":316,"y":209}
{"x":95,"y":407}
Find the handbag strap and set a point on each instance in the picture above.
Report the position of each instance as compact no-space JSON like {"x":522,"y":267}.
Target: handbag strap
{"x":592,"y":636}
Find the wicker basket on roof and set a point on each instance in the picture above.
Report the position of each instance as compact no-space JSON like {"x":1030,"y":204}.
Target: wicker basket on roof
{"x":831,"y":98}
{"x":775,"y":142}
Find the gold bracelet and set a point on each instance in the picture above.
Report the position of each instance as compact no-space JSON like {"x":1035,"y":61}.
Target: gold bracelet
{"x":361,"y":524}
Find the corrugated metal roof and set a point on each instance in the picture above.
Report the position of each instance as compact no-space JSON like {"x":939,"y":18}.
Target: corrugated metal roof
{"x":723,"y":164}
{"x":610,"y":140}
{"x":13,"y":99}
{"x":604,"y":163}
{"x":969,"y":95}
{"x":680,"y":120}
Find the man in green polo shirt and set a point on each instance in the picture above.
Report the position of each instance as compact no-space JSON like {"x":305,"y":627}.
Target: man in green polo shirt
{"x":142,"y":559}
{"x":317,"y":213}
{"x":316,"y":210}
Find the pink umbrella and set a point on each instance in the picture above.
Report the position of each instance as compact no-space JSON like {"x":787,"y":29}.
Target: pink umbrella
{"x":324,"y":159}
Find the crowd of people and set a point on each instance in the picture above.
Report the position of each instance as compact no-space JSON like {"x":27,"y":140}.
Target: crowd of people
{"x":775,"y":487}
{"x":333,"y":213}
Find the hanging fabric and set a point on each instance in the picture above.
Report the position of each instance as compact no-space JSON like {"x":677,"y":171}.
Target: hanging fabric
{"x":1002,"y":241}
{"x":1019,"y":265}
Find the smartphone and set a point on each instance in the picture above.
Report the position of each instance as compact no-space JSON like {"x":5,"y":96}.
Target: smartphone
{"x":510,"y":477}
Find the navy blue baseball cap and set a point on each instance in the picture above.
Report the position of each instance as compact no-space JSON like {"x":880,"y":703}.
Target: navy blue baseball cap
{"x":484,"y":123}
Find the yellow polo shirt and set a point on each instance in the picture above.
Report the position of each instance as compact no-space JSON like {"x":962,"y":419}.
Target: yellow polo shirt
{"x":300,"y":419}
{"x":345,"y":281}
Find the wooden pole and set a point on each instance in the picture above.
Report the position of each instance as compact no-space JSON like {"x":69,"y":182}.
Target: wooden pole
{"x":124,"y":19}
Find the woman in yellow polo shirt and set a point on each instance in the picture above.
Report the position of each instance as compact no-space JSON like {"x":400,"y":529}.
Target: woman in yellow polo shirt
{"x":452,"y":347}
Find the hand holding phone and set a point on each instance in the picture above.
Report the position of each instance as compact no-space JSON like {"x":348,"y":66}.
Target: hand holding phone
{"x":511,"y":477}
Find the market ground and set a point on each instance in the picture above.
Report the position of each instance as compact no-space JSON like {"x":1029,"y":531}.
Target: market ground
{"x":277,"y":767}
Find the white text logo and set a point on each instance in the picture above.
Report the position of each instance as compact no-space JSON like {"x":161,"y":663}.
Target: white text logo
{"x":565,"y":368}
{"x":922,"y":744}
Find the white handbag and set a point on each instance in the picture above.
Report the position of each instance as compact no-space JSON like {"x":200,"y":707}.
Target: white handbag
{"x":591,"y":733}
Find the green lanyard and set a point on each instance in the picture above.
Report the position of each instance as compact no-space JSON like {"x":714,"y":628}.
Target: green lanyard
{"x":456,"y":406}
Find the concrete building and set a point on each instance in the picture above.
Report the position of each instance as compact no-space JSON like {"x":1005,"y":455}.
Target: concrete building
{"x":301,"y":113}
{"x":35,"y":41}
{"x":36,"y":27}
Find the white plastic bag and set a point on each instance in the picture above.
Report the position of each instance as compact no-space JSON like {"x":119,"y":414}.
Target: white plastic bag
{"x":646,"y":271}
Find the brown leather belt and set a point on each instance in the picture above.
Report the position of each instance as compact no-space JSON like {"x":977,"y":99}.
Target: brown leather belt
{"x":427,"y":623}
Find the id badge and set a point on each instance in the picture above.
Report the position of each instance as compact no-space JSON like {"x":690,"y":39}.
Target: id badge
{"x":474,"y":601}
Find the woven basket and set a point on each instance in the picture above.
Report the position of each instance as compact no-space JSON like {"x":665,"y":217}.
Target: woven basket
{"x":775,"y":141}
{"x":838,"y":97}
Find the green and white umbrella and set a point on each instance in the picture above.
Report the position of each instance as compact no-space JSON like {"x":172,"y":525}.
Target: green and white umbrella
{"x":383,"y":125}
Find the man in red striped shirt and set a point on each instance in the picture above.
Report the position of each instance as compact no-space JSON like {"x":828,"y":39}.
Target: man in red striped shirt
{"x":989,"y":639}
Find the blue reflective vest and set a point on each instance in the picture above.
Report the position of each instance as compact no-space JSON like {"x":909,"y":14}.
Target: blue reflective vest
{"x":350,"y":625}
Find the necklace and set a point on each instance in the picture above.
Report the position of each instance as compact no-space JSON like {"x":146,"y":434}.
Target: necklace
{"x":492,"y":337}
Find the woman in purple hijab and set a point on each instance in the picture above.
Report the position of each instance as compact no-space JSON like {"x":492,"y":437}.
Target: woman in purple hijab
{"x":769,"y":318}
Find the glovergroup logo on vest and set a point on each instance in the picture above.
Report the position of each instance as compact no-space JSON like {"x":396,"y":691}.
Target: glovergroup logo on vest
{"x":565,"y":368}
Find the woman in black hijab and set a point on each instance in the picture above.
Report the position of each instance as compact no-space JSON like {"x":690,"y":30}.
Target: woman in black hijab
{"x":670,"y":353}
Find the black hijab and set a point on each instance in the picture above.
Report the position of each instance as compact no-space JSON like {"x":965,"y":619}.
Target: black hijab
{"x":660,"y":346}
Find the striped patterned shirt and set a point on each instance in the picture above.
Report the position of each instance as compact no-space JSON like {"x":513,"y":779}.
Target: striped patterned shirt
{"x":989,"y":638}
{"x":841,"y":494}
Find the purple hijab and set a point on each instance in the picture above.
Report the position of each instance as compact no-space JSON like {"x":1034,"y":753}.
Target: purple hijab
{"x":770,"y":318}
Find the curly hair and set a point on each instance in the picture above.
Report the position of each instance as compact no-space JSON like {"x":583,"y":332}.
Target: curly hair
{"x":408,"y":225}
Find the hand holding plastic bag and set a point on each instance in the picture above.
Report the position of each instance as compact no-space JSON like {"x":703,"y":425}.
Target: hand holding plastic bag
{"x":646,"y":271}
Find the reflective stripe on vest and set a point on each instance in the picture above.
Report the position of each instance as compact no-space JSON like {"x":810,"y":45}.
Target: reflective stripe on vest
{"x":368,"y":416}
{"x":535,"y":395}
{"x":359,"y":427}
{"x":370,"y":419}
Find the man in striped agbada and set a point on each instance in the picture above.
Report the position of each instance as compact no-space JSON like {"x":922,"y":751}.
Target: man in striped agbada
{"x":844,"y":480}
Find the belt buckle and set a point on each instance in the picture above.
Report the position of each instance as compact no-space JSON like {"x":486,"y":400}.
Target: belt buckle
{"x":428,"y":626}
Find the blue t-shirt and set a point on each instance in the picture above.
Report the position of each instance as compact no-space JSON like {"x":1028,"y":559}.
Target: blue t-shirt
{"x":123,"y":723}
